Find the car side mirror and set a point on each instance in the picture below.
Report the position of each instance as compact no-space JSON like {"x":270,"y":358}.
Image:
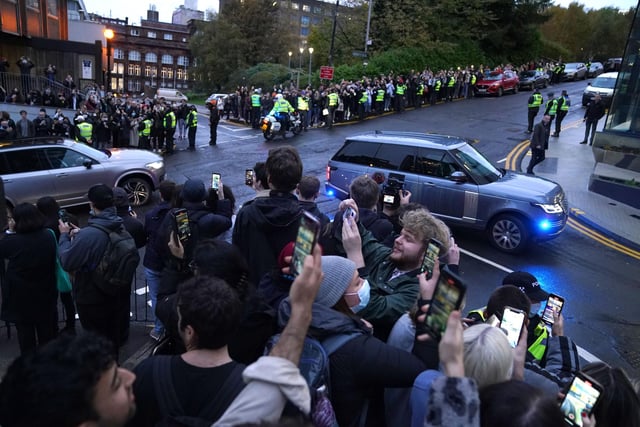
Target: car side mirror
{"x":458,"y":177}
{"x":87,"y":163}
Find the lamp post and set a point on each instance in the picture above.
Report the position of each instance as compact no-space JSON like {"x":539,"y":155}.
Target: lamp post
{"x":299,"y":68}
{"x":108,"y":34}
{"x":310,"y":54}
{"x":290,"y":74}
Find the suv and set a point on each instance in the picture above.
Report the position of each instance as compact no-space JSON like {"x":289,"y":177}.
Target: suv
{"x":457,"y":184}
{"x":497,"y":83}
{"x":62,"y":168}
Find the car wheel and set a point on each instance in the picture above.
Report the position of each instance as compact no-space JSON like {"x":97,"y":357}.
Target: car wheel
{"x":508,"y":233}
{"x":268,"y":135}
{"x":500,"y":91}
{"x":138,"y":189}
{"x":515,"y":89}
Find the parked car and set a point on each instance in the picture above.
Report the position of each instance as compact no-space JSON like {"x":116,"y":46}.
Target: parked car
{"x":497,"y":83}
{"x":602,"y":85}
{"x":457,"y":184}
{"x":532,"y":79}
{"x":595,"y":69}
{"x":171,"y":95}
{"x":574,"y":71}
{"x":65,"y":169}
{"x":613,"y":64}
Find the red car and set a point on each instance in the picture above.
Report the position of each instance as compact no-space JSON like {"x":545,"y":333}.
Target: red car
{"x":497,"y":83}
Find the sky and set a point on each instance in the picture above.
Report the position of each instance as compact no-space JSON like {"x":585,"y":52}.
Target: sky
{"x":134,"y":9}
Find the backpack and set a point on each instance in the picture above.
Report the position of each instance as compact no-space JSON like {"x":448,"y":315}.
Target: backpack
{"x":169,"y":405}
{"x":117,"y":267}
{"x":314,"y":367}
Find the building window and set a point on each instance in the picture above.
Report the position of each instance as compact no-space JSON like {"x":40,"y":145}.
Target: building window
{"x":134,"y":55}
{"x":181,"y":74}
{"x":150,"y":71}
{"x":315,"y":20}
{"x":184,"y":40}
{"x":317,"y":10}
{"x":306,"y":8}
{"x":167,"y":59}
{"x":134,"y":69}
{"x":151,"y":57}
{"x":135,"y":32}
{"x":168,"y":36}
{"x":304,"y":21}
{"x":183,"y":61}
{"x":152,"y":34}
{"x":118,"y":53}
{"x":295,"y":6}
{"x":33,"y":4}
{"x":166,"y":73}
{"x":133,"y":85}
{"x":304,"y":31}
{"x":52,"y":7}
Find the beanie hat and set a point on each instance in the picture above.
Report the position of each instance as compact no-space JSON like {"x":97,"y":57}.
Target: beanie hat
{"x":193,"y":191}
{"x":338,"y":272}
{"x":528,"y":284}
{"x":120,"y":197}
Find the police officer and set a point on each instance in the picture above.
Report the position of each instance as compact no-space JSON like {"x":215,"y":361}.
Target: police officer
{"x":255,"y":109}
{"x":535,"y":101}
{"x":214,"y":119}
{"x":303,"y":109}
{"x":332,"y":103}
{"x":84,"y":130}
{"x":169,"y":131}
{"x":563,"y":108}
{"x":399,"y":98}
{"x":551,"y":108}
{"x":192,"y":126}
{"x":144,"y":132}
{"x":281,"y":109}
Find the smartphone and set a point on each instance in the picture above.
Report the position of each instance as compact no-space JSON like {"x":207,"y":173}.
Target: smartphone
{"x":431,"y":254}
{"x":554,"y":305}
{"x":447,"y":297}
{"x":62,"y":214}
{"x":512,"y":323}
{"x":308,"y":233}
{"x":248,"y":177}
{"x":349,"y":213}
{"x":582,"y":396}
{"x":182,"y":228}
{"x":215,"y":181}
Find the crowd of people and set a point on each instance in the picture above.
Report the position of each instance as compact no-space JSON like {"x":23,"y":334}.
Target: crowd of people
{"x":222,"y":287}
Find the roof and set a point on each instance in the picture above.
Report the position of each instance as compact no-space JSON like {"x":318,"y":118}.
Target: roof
{"x":417,"y":139}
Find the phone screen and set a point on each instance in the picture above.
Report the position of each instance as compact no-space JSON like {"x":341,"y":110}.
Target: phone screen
{"x":62,"y":214}
{"x":305,"y":241}
{"x":554,"y":305}
{"x":512,"y":322}
{"x":389,"y":199}
{"x":431,"y":254}
{"x":182,"y":224}
{"x":215,"y":181}
{"x":447,"y":297}
{"x":581,"y":397}
{"x":248,"y":177}
{"x":349,"y":213}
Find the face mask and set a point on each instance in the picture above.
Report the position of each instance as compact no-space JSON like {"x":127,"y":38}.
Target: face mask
{"x":535,"y":308}
{"x":363,"y":295}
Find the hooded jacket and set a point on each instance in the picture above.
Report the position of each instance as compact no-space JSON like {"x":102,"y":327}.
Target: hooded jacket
{"x":263,"y":227}
{"x":82,"y":254}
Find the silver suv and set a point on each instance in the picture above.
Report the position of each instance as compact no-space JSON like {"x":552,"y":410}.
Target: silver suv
{"x":457,"y":184}
{"x":65,"y":170}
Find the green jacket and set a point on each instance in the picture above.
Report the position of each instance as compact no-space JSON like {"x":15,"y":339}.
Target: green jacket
{"x":389,"y":299}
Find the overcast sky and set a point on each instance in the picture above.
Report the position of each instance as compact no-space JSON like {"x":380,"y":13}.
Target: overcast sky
{"x":134,"y":9}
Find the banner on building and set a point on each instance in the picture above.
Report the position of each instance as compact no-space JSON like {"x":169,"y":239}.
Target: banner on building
{"x":87,"y":69}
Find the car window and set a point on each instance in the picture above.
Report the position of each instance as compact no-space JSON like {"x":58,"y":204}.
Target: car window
{"x":436,"y":163}
{"x":361,"y":153}
{"x":396,"y":157}
{"x":476,"y":165}
{"x":62,"y":157}
{"x":20,"y":161}
{"x":604,"y":83}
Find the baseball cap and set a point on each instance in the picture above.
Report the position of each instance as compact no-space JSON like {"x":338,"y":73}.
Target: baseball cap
{"x":528,"y":284}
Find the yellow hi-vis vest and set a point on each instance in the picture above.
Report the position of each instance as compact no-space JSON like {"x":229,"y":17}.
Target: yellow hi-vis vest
{"x":537,"y":100}
{"x":86,"y":130}
{"x":303,"y":105}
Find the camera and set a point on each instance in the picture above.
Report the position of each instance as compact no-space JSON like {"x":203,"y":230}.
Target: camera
{"x":391,"y":190}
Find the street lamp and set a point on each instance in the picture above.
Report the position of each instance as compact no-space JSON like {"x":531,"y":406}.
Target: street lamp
{"x":290,"y":74}
{"x":310,"y":53}
{"x":299,"y":68}
{"x":108,"y":34}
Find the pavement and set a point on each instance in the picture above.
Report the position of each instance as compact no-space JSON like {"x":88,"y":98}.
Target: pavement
{"x":567,"y":162}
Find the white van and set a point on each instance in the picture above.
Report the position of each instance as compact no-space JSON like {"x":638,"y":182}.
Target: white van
{"x":171,"y":95}
{"x":602,"y":85}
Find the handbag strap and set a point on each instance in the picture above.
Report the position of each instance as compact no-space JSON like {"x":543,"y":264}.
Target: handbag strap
{"x":55,"y":239}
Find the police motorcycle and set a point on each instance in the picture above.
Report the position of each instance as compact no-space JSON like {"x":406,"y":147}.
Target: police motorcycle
{"x":272,"y":126}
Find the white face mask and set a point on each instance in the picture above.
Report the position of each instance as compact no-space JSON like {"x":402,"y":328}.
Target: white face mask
{"x":363,"y":295}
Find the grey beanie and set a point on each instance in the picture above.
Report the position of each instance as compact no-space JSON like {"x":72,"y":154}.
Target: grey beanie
{"x":338,"y":272}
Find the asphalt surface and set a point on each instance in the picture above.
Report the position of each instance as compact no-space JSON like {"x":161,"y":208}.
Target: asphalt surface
{"x":593,"y":264}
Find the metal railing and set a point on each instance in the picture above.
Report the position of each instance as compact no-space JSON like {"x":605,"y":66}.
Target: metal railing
{"x":25,"y":84}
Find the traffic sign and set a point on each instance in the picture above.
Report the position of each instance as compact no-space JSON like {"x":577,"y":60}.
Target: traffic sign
{"x":359,"y":54}
{"x":326,"y":73}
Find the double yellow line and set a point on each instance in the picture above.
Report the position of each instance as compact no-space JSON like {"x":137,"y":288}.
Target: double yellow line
{"x":511,"y":164}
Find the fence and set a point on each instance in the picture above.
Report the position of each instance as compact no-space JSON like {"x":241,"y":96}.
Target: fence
{"x":28,"y":83}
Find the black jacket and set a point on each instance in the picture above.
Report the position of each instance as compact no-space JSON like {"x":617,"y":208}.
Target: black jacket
{"x":263,"y":227}
{"x":594,"y":111}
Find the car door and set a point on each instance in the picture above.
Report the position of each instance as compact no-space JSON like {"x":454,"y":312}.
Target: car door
{"x":355,"y":158}
{"x":72,"y":179}
{"x":25,"y":175}
{"x":453,"y":202}
{"x":401,"y":160}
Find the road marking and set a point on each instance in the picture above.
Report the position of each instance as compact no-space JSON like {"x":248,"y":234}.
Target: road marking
{"x":502,"y":160}
{"x":579,"y":227}
{"x":583,"y":353}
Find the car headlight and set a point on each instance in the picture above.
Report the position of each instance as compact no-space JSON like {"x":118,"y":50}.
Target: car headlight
{"x":550,"y":208}
{"x":155,"y":165}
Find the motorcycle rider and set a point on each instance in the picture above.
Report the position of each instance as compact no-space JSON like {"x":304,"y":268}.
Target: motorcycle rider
{"x":281,"y":109}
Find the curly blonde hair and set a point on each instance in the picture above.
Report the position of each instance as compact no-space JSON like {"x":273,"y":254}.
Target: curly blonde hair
{"x":425,"y":226}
